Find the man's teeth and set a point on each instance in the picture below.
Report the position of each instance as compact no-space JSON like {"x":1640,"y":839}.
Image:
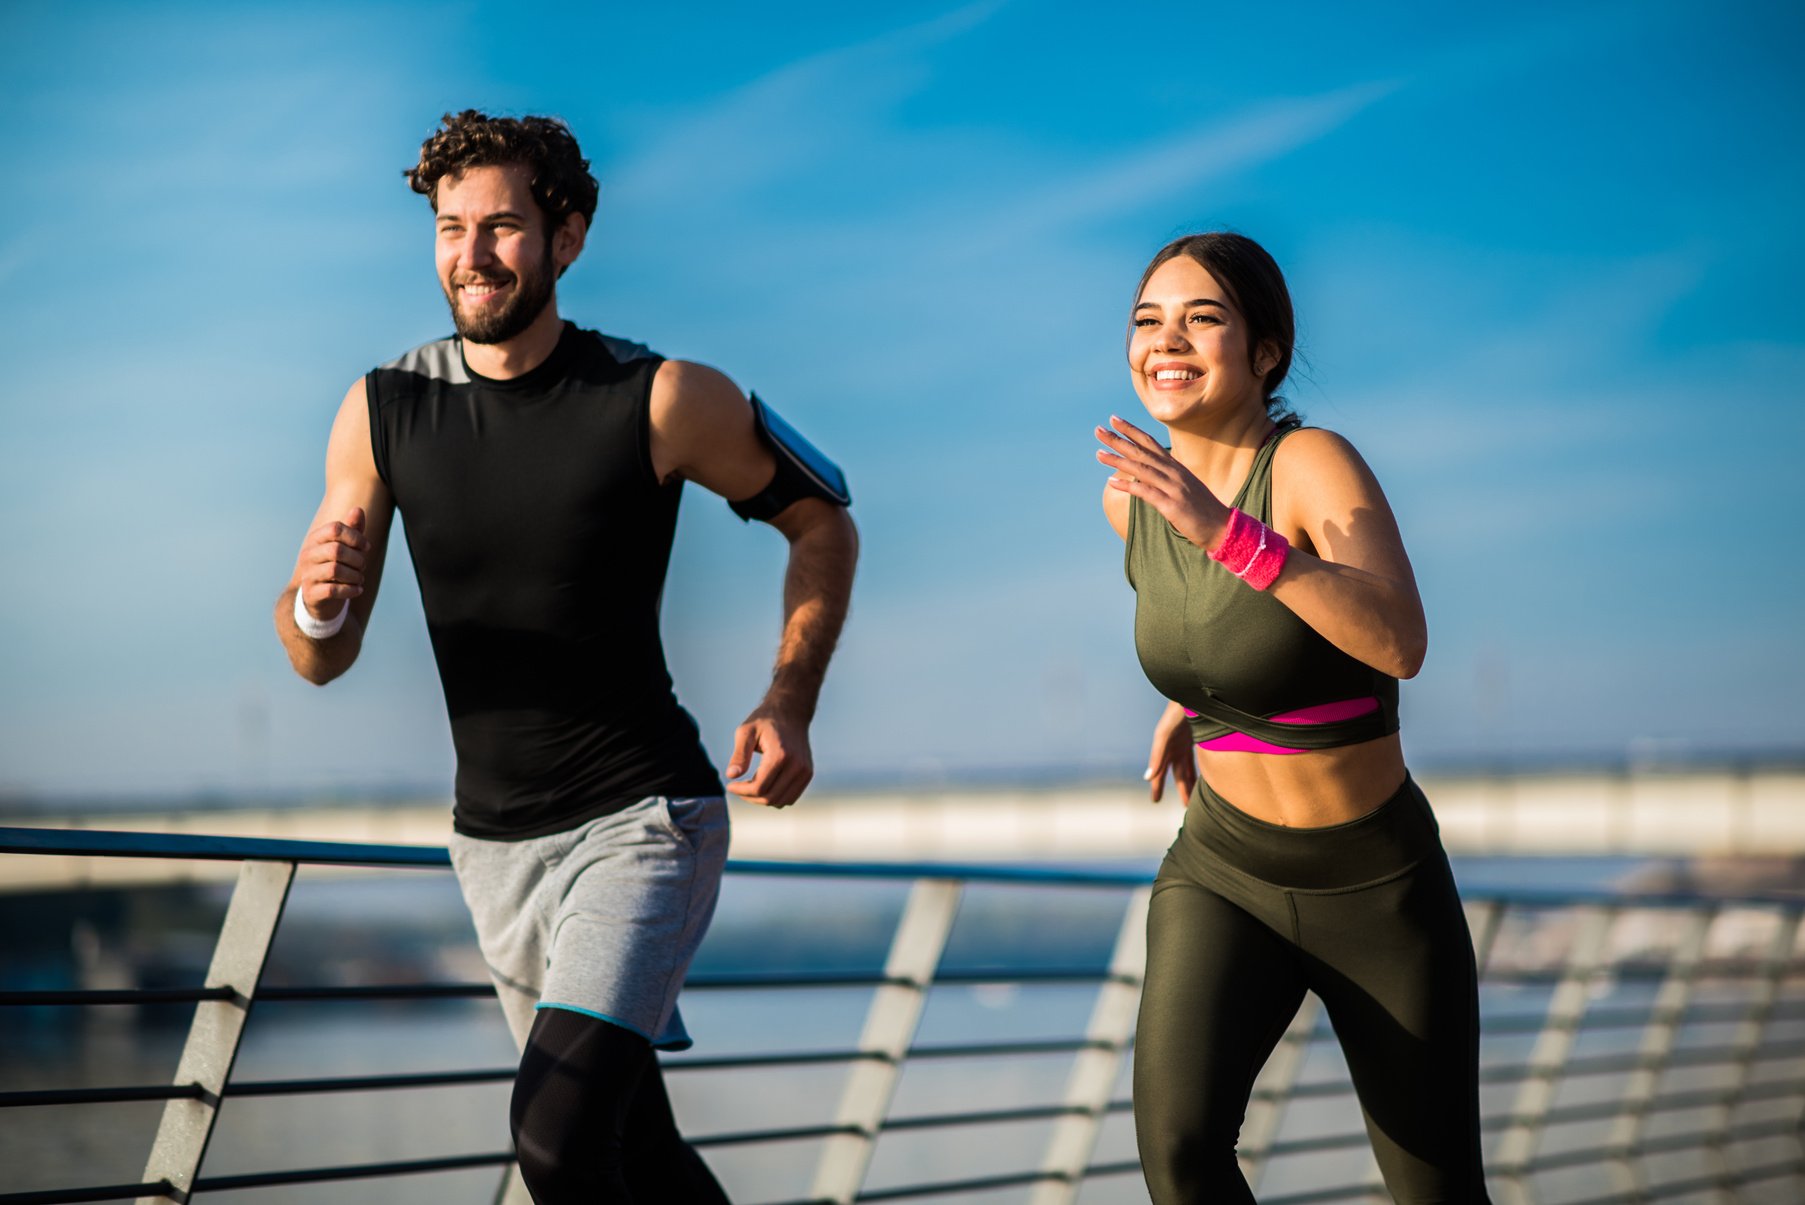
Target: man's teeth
{"x":1175,"y":374}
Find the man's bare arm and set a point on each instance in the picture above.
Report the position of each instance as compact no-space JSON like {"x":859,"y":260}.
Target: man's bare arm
{"x":342,"y":556}
{"x":817,"y":588}
{"x":702,"y":429}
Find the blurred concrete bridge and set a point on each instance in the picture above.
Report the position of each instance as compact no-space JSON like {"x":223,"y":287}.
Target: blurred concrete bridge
{"x":1731,"y":813}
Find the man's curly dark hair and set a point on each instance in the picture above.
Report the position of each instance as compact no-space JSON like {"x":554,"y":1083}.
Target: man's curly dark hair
{"x":544,"y":145}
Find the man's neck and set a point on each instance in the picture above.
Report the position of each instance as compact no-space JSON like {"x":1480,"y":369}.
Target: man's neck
{"x":521,"y":354}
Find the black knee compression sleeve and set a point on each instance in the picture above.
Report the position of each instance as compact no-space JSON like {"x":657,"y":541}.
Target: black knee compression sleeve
{"x":592,"y":1123}
{"x":577,"y":1078}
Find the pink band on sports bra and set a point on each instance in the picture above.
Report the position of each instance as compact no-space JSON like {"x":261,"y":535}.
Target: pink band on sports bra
{"x":1320,"y":713}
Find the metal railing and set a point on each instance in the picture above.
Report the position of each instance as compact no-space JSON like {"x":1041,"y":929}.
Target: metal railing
{"x":1635,"y":1048}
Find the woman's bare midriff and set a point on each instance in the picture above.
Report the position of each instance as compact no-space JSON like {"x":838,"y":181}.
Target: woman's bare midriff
{"x":1308,"y":790}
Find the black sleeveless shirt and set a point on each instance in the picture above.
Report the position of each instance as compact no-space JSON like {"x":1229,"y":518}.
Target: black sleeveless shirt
{"x":540,"y":536}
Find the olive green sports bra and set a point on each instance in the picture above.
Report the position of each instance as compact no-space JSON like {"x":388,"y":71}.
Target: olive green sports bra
{"x":1252,"y":674}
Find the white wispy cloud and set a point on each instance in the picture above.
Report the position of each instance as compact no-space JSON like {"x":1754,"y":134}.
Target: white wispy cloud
{"x":1263,"y":133}
{"x":799,"y":112}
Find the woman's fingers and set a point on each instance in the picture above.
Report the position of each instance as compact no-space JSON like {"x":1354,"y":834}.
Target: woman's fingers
{"x":1127,"y":445}
{"x":1147,"y":482}
{"x":1184,"y":776}
{"x":1123,"y":429}
{"x":1125,"y":456}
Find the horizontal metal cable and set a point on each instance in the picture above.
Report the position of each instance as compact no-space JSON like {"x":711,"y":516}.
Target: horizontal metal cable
{"x":295,"y":1087}
{"x":1635,"y":1060}
{"x":1508,"y":1073}
{"x":731,"y":1062}
{"x":366,"y":1083}
{"x":762,"y":980}
{"x":749,"y":981}
{"x":961,"y":976}
{"x":98,"y":1096}
{"x":377,"y":991}
{"x":1603,"y":1019}
{"x":932,"y":1121}
{"x":1674,"y":1188}
{"x":360,"y":1171}
{"x":138,"y":995}
{"x":927,"y":1121}
{"x":1733,"y":969}
{"x":1324,"y":1142}
{"x":792,"y":1134}
{"x":1317,"y":1196}
{"x":975,"y":1184}
{"x":964,"y":1050}
{"x":1330,"y":1087}
{"x":1703,"y":1098}
{"x":1312,"y":1197}
{"x":1029,"y":975}
{"x":1120,"y":1167}
{"x":73,"y":1196}
{"x":79,"y":842}
{"x":990,"y":1049}
{"x":1665,"y":1144}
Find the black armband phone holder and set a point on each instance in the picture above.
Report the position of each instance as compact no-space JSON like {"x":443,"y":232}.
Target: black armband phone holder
{"x":802,"y":470}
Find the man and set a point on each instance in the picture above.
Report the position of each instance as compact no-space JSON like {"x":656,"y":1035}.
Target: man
{"x":538,"y":467}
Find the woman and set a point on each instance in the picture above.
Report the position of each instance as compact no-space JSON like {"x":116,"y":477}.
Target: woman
{"x":1276,"y":609}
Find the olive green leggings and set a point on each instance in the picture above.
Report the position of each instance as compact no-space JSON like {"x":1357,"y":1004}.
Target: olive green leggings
{"x":1368,"y":919}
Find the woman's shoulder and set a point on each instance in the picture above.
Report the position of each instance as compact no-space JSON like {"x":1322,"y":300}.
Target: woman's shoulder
{"x":1318,"y":475}
{"x":1313,"y":451}
{"x":1305,"y":439}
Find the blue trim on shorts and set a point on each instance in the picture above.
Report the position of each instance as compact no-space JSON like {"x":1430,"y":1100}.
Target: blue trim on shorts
{"x":678,"y":1044}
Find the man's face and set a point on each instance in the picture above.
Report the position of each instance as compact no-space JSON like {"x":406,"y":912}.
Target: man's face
{"x":494,"y":259}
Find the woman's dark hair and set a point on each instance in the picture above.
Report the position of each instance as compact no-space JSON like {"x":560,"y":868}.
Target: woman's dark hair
{"x":545,"y":146}
{"x":1252,"y":280}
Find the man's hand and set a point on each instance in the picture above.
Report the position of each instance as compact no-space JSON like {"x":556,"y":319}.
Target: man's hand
{"x":703,"y":431}
{"x":330,"y":568}
{"x":785,"y":765}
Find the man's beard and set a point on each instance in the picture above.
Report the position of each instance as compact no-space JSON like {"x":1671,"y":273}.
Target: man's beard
{"x":497,"y":323}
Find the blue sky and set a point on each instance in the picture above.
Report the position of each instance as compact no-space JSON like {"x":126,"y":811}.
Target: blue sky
{"x":1545,"y":259}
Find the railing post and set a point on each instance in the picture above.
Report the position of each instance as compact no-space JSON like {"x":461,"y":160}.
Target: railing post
{"x":1485,"y":920}
{"x":1097,"y":1066}
{"x":1552,"y":1047}
{"x":1665,"y":1016}
{"x":1745,"y":1044}
{"x":889,"y":1028}
{"x":212,"y":1046}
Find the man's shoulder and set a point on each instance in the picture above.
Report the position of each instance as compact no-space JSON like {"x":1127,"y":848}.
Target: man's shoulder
{"x":443,"y":359}
{"x":440,"y":360}
{"x":623,"y":351}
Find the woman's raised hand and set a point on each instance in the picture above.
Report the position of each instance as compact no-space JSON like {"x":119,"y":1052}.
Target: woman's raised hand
{"x":1147,"y":471}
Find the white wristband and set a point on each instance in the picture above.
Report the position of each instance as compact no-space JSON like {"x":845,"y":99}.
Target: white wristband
{"x":318,"y":629}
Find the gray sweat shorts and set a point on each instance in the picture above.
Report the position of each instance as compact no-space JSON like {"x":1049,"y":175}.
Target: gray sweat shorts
{"x":602,"y":919}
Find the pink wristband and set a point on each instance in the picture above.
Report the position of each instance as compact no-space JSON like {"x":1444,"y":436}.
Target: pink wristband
{"x":1251,"y":550}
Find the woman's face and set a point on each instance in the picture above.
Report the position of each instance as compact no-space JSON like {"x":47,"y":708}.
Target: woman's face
{"x":1188,"y":348}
